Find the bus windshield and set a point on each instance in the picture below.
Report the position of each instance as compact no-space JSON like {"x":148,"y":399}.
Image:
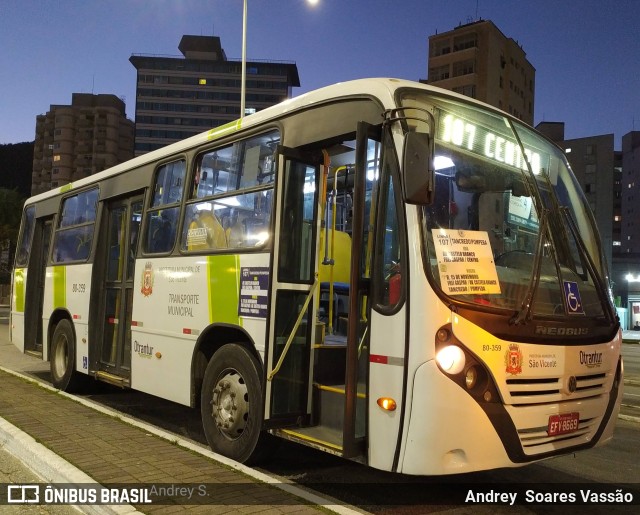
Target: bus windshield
{"x":509,"y":227}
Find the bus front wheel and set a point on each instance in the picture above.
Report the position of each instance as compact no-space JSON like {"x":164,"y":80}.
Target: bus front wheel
{"x":63,"y":359}
{"x":231,"y":403}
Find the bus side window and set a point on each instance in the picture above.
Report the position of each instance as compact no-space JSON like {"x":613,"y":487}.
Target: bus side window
{"x":163,"y":231}
{"x":162,"y":217}
{"x":74,"y":234}
{"x":229,"y":205}
{"x":24,"y":247}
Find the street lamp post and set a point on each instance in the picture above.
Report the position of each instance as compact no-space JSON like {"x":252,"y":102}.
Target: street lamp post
{"x":243,"y":79}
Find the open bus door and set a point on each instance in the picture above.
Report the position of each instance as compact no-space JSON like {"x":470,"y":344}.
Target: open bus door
{"x":293,"y":287}
{"x":316,"y":383}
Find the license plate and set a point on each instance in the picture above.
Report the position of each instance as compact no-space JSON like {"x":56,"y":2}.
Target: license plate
{"x":563,"y":424}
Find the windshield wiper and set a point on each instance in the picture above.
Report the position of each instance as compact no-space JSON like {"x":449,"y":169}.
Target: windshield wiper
{"x":591,"y":266}
{"x":524,"y":314}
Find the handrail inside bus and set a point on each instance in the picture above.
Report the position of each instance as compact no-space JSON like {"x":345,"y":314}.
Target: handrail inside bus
{"x":329,"y":256}
{"x":275,"y":369}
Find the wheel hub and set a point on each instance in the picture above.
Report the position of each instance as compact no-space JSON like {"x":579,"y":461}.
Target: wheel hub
{"x":230,"y":405}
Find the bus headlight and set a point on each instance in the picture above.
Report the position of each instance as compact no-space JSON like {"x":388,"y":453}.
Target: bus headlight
{"x":451,"y":359}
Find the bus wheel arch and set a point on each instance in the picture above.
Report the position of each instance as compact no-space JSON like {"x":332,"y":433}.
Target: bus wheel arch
{"x":231,"y":403}
{"x":62,"y":356}
{"x":210,"y":341}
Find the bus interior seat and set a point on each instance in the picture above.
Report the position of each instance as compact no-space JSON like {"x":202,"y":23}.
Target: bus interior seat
{"x":216,"y":237}
{"x":341,"y":274}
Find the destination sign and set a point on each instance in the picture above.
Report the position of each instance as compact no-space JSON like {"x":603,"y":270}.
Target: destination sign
{"x":465,"y":262}
{"x":486,"y":143}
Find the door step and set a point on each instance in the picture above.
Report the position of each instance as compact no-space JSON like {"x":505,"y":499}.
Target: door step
{"x":329,"y":402}
{"x":319,"y":437}
{"x":122,"y":382}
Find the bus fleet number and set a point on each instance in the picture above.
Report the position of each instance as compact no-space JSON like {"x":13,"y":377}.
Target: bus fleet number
{"x":78,"y":288}
{"x":494,"y":347}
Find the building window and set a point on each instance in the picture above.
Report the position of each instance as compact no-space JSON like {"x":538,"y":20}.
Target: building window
{"x":468,"y":90}
{"x":202,"y":82}
{"x":441,"y":48}
{"x":465,"y":41}
{"x":439,"y":73}
{"x":463,"y":67}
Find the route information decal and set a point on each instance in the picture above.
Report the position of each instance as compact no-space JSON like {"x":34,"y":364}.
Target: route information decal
{"x":254,"y":289}
{"x":465,"y":262}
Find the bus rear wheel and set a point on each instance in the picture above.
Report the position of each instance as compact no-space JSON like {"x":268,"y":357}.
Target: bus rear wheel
{"x":63,"y":359}
{"x":231,"y":403}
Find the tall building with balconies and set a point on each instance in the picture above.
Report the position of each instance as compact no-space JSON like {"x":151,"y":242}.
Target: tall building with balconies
{"x":479,"y":61}
{"x":178,"y":97}
{"x":78,"y":140}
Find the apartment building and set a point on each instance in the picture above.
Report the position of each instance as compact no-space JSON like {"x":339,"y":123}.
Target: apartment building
{"x":78,"y":140}
{"x":479,"y":61}
{"x":178,"y":97}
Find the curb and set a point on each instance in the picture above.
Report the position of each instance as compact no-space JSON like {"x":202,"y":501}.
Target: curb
{"x":51,"y":467}
{"x":46,"y":463}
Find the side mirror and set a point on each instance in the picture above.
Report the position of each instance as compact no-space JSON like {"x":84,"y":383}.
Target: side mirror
{"x":417,"y":169}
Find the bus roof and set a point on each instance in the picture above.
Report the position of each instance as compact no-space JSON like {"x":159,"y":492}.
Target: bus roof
{"x":381,"y":88}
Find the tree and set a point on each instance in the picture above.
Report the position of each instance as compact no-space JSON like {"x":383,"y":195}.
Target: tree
{"x":10,"y":213}
{"x":16,"y":166}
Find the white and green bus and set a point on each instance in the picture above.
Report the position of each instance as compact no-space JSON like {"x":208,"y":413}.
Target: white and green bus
{"x":379,"y":269}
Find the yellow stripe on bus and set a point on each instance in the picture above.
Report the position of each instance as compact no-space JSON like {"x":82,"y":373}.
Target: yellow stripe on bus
{"x":18,"y":288}
{"x":223,"y":283}
{"x":59,"y":287}
{"x":227,"y":128}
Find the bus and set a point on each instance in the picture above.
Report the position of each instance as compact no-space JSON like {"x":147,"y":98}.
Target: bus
{"x":382,"y":270}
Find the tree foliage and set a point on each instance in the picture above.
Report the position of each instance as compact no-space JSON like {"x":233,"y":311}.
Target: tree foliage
{"x":11,"y":203}
{"x":16,"y":167}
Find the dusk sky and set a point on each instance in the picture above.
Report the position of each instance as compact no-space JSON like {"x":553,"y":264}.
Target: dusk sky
{"x":586,"y":52}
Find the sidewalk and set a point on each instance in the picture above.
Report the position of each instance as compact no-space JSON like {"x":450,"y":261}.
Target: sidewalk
{"x":66,"y":441}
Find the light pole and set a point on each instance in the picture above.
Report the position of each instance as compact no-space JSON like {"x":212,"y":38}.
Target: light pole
{"x":243,"y":79}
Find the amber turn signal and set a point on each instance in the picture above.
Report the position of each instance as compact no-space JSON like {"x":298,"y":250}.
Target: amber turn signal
{"x":387,"y":404}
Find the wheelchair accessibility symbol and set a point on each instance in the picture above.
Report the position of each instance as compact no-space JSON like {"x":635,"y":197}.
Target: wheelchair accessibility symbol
{"x":572,"y":296}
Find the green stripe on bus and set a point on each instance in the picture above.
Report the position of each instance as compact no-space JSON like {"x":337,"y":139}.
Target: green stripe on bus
{"x":223,"y":282}
{"x":227,"y":128}
{"x":66,"y":187}
{"x":18,"y":288}
{"x":59,"y":287}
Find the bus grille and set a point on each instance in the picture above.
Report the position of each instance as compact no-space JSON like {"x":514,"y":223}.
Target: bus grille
{"x":525,"y":391}
{"x":527,"y":394}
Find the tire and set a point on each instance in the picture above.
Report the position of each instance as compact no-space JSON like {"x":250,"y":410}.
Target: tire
{"x":231,"y":404}
{"x":63,"y":359}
